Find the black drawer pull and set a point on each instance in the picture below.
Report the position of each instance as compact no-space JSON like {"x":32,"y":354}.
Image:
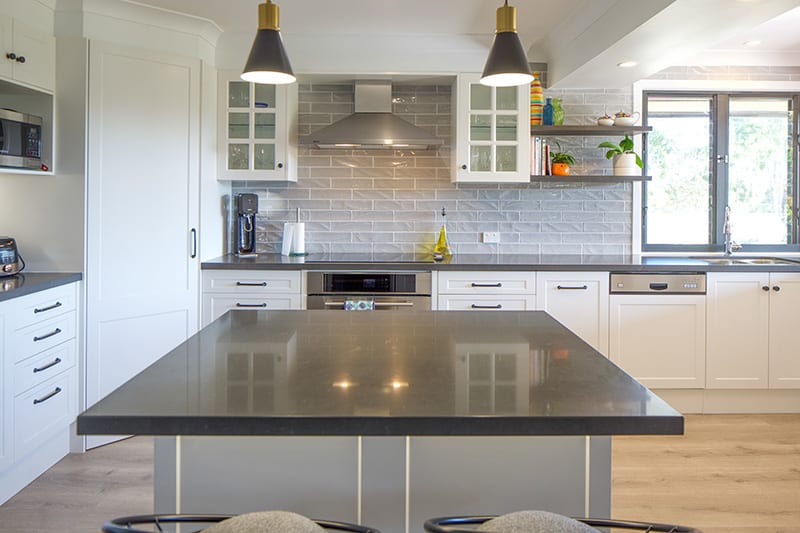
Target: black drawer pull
{"x":48,"y":308}
{"x":250,"y":305}
{"x":248,"y":284}
{"x":487,"y":284}
{"x":47,"y":336}
{"x":476,"y":306}
{"x":568,"y":288}
{"x":51,"y":364}
{"x":659,"y":286}
{"x":47,"y":396}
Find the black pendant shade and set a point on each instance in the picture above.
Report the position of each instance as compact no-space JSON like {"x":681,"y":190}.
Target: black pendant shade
{"x":507,"y":63}
{"x":268,"y":62}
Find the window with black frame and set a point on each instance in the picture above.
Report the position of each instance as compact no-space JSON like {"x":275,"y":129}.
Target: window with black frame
{"x":712,"y":151}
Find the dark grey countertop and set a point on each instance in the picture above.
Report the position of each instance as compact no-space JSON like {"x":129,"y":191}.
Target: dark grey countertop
{"x":366,"y":373}
{"x":611,"y":263}
{"x":31,"y":282}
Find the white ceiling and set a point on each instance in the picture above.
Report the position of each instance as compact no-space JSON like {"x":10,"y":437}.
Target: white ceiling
{"x":581,"y":40}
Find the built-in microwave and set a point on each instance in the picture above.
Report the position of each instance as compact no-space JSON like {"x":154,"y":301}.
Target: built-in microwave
{"x":20,"y":140}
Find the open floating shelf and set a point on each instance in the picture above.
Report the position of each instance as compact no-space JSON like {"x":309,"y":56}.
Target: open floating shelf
{"x":600,"y":178}
{"x":553,"y":131}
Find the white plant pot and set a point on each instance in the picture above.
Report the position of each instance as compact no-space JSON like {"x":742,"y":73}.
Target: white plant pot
{"x":625,"y":165}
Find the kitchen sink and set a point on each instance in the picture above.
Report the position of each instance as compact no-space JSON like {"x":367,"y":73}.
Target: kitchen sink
{"x":734,"y":260}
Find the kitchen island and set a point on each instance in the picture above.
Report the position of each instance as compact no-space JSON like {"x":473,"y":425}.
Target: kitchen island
{"x":385,"y":419}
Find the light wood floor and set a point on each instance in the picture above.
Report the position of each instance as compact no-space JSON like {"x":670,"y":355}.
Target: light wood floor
{"x":728,"y":473}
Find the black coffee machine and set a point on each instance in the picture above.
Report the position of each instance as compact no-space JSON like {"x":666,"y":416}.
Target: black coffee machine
{"x":246,"y":209}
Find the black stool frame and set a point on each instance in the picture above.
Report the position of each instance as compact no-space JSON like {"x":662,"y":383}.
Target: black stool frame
{"x":125,"y":524}
{"x":449,"y":524}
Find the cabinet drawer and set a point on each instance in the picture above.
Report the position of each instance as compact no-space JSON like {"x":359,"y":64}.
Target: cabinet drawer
{"x":487,"y":283}
{"x":252,"y":281}
{"x":42,"y":336}
{"x":43,"y":305}
{"x":481,"y":302}
{"x":42,"y":411}
{"x":216,"y":305}
{"x":43,"y":366}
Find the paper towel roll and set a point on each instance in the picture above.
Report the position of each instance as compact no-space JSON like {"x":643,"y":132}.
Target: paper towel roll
{"x":299,"y":239}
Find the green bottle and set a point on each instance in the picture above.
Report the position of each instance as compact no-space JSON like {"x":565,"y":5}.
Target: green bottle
{"x":441,"y":245}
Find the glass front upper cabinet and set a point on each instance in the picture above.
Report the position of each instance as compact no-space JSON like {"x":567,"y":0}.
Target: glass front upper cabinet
{"x":257,"y":130}
{"x":492,"y":133}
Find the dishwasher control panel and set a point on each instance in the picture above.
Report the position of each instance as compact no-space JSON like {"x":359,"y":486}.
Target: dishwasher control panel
{"x":645,"y":283}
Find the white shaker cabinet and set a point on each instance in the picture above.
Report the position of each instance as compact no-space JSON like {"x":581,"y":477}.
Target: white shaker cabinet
{"x":241,"y":290}
{"x":579,"y":300}
{"x":486,"y":291}
{"x":492,"y":132}
{"x":752,"y":318}
{"x":28,"y":54}
{"x":257,"y":130}
{"x":659,"y":339}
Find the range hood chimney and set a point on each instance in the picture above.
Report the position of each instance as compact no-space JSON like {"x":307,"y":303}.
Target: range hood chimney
{"x":373,"y":126}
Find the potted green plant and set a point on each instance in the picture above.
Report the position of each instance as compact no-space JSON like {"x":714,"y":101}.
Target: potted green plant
{"x":560,"y":162}
{"x":626,"y":161}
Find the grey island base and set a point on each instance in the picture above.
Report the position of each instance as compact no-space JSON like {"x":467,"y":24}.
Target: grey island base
{"x":386,"y":419}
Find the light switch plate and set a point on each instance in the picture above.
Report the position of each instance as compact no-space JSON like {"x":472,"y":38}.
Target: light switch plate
{"x":490,"y":237}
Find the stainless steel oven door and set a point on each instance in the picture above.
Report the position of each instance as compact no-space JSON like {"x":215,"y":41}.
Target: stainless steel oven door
{"x":333,"y":302}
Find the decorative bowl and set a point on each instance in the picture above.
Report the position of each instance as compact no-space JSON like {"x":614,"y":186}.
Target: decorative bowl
{"x":625,"y":121}
{"x":605,"y":121}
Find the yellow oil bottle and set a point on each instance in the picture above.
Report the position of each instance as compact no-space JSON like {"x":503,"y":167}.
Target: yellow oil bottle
{"x":442,"y":247}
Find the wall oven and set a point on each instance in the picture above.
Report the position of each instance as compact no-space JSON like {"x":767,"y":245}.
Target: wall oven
{"x":379,"y":291}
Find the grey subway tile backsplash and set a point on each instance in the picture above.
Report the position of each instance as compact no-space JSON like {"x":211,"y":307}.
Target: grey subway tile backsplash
{"x":365,"y":201}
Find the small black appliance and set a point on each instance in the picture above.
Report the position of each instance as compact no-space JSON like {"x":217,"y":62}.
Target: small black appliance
{"x":246,"y":209}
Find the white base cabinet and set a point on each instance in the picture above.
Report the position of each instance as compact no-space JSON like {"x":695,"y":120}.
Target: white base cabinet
{"x":486,"y":291}
{"x":751,"y":335}
{"x":660,"y":339}
{"x":39,"y":399}
{"x":224,"y":290}
{"x":579,"y":300}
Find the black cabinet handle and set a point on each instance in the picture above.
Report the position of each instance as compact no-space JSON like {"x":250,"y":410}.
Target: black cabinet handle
{"x":487,"y":284}
{"x":51,"y":364}
{"x":194,"y":243}
{"x":48,"y":335}
{"x":21,"y":59}
{"x":476,"y":306}
{"x":280,"y":165}
{"x":568,"y":288}
{"x":47,"y":396}
{"x":463,"y":167}
{"x":48,"y":308}
{"x":765,"y":288}
{"x":250,"y":305}
{"x":659,"y":286}
{"x":251,"y":284}
{"x":776,"y":288}
{"x":12,"y":56}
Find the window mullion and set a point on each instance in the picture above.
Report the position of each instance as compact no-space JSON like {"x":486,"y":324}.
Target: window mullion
{"x":720,"y":116}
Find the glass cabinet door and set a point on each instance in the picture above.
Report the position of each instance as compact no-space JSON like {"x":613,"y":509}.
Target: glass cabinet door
{"x":493,"y":121}
{"x":251,"y":126}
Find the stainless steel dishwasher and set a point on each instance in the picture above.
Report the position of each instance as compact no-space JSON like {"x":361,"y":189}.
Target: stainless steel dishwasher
{"x":658,"y":327}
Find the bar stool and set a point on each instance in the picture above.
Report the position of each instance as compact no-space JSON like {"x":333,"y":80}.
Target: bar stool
{"x":258,"y":522}
{"x":540,"y":522}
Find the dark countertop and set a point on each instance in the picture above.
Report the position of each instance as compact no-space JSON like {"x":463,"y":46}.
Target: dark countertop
{"x":611,"y":263}
{"x":367,"y":373}
{"x":31,"y":282}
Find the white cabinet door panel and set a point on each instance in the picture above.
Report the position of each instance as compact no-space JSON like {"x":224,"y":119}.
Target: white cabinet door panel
{"x":142,"y":186}
{"x":784,"y":307}
{"x":738,"y":328}
{"x":659,"y":340}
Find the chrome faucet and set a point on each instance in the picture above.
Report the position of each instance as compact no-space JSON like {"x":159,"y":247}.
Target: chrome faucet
{"x":730,"y":245}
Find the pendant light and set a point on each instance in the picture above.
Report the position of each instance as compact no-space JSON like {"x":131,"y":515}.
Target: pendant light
{"x":268,"y":62}
{"x":507,"y":63}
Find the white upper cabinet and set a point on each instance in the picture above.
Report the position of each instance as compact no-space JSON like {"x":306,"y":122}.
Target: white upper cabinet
{"x":492,"y":132}
{"x":257,"y":130}
{"x":28,"y":55}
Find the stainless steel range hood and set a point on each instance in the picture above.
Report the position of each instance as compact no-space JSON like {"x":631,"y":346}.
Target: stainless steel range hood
{"x":373,"y":126}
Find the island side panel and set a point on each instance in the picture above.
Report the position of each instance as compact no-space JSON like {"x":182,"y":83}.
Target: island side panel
{"x":599,"y":477}
{"x":384,"y":483}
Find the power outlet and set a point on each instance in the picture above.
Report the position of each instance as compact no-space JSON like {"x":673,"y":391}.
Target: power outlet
{"x":490,"y":237}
